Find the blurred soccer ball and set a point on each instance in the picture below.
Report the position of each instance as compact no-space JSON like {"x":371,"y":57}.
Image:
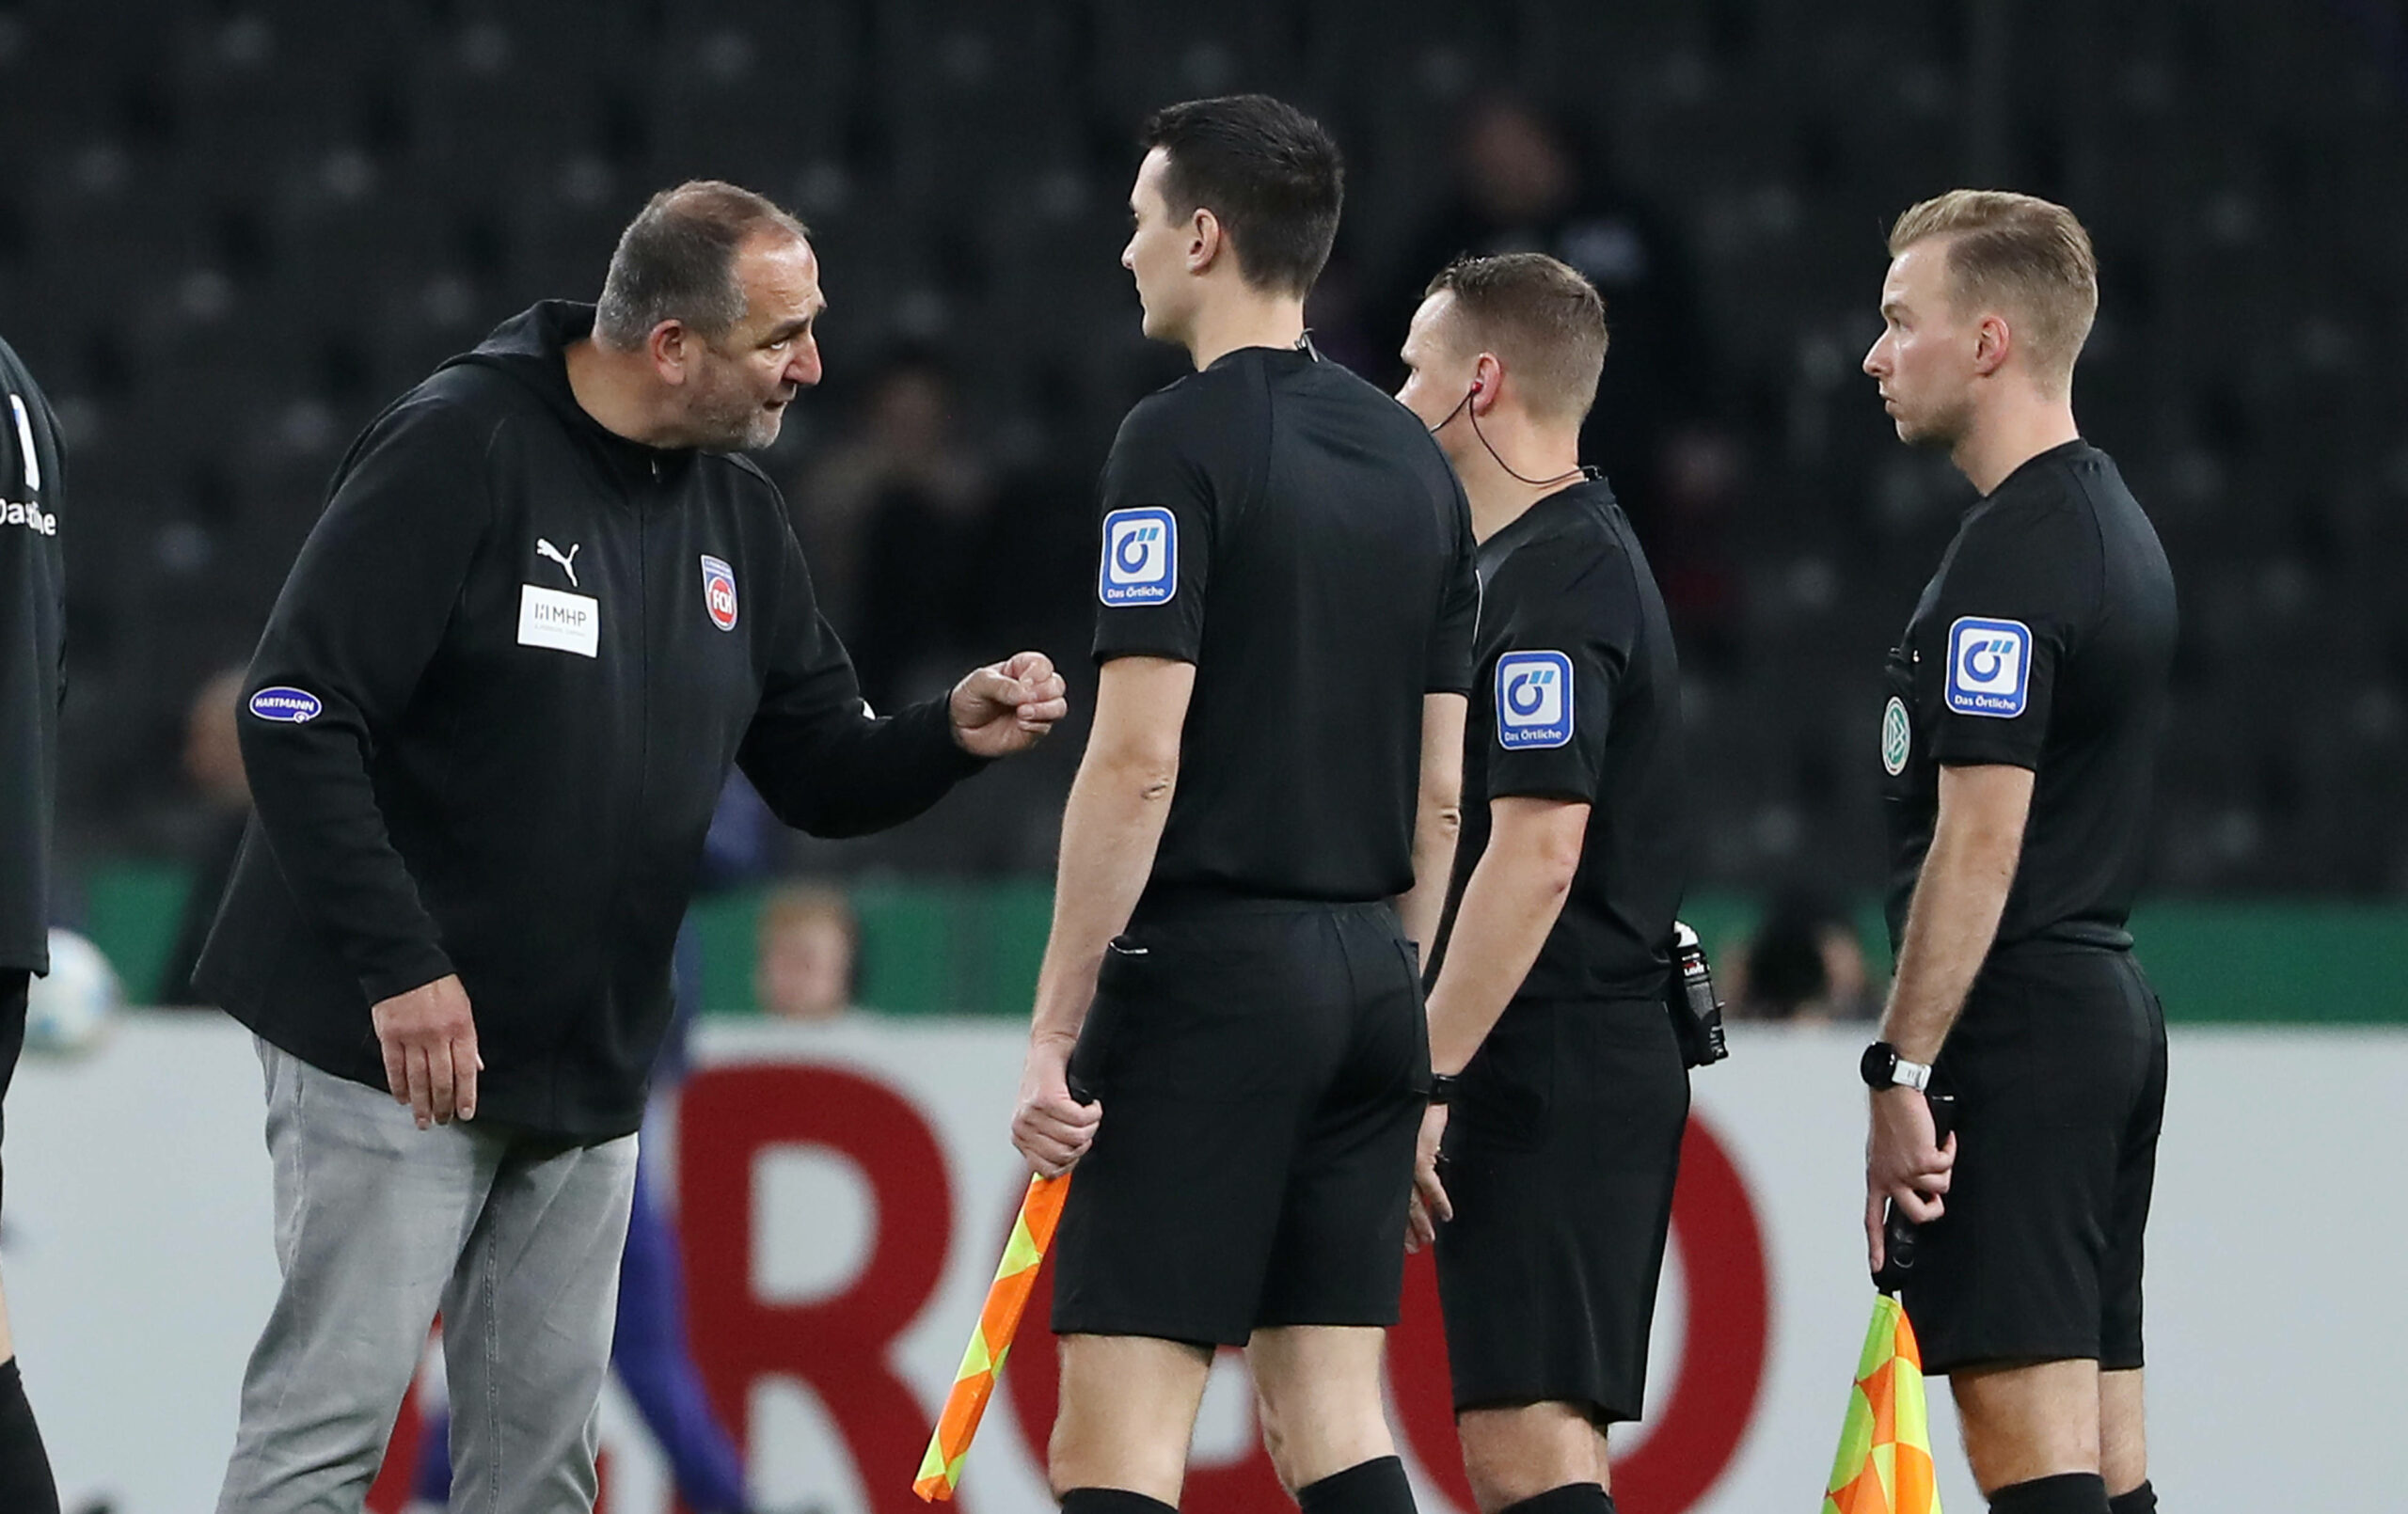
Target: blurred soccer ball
{"x":70,"y":1010}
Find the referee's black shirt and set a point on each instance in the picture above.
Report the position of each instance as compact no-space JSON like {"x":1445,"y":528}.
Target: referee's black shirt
{"x":1579,"y":697}
{"x":33,"y":660}
{"x":2044,"y":641}
{"x":491,"y":715}
{"x":1296,"y":535}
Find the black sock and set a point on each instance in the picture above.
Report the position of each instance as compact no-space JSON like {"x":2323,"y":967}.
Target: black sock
{"x":2140,"y":1500}
{"x":25,"y":1483}
{"x":1112,"y":1501}
{"x":1375,"y":1487}
{"x":2069,"y":1492}
{"x":1571,"y":1498}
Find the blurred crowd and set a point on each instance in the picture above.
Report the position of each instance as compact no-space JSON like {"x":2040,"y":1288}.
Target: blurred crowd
{"x":231,"y":230}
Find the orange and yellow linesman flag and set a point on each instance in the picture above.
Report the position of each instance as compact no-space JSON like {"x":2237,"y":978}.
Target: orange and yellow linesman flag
{"x":1015,"y":1276}
{"x":1884,"y":1465}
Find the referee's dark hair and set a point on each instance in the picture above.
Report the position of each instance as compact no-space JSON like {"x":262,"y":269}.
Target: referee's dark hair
{"x":1266,"y":170}
{"x":1541,"y":317}
{"x":676,"y":261}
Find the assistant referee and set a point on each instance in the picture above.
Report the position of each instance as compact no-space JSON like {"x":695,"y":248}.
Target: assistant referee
{"x":2018,"y":741}
{"x":1562,"y":1093}
{"x":33,"y":683}
{"x":1285,"y":632}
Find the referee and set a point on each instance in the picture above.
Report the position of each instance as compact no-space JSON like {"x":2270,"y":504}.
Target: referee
{"x":1562,"y":1094}
{"x":2019,"y":739}
{"x":33,"y":681}
{"x":1285,"y":633}
{"x":547,"y":607}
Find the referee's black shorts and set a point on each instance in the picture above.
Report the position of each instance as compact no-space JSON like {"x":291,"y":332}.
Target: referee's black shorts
{"x":1563,"y":1144}
{"x":2058,"y":1065}
{"x":16,"y":986}
{"x":1263,"y":1067}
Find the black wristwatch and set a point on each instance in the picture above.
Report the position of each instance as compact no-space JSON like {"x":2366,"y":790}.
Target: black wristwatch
{"x":1882,"y":1067}
{"x":1442,"y":1087}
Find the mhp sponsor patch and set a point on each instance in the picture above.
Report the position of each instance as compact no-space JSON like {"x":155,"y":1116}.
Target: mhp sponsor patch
{"x":292,"y":707}
{"x":1533,"y":700}
{"x":1140,"y":557}
{"x":1990,"y":667}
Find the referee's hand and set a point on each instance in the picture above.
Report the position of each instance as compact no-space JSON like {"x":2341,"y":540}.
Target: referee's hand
{"x":1903,"y":1165}
{"x":1430,"y":1206}
{"x":1051,"y":1129}
{"x":430,"y":1043}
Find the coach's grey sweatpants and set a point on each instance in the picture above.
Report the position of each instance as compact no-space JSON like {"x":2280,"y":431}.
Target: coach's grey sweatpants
{"x":378,"y":1223}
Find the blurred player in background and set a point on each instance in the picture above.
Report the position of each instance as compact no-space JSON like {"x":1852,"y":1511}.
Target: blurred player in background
{"x":33,"y":683}
{"x":547,"y":607}
{"x":2020,"y":739}
{"x":1285,"y":635}
{"x":1560,"y":1093}
{"x":806,"y":961}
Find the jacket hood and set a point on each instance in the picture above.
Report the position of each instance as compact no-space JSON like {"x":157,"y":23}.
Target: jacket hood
{"x":531,"y":347}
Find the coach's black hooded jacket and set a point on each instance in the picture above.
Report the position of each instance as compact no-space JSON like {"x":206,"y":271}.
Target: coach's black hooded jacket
{"x":490,"y":717}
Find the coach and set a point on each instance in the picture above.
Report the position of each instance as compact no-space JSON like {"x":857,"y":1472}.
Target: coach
{"x":544,"y":610}
{"x":2019,"y":739}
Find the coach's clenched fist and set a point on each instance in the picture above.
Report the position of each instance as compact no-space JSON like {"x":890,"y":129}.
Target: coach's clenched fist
{"x":1008,"y":706}
{"x":428,"y":1039}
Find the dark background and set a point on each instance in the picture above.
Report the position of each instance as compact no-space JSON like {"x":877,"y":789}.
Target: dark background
{"x":230,"y":232}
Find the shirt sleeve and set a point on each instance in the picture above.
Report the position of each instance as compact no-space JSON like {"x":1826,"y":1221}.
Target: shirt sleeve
{"x":822,"y":760}
{"x":359,"y":619}
{"x":33,"y":666}
{"x":2008,"y":607}
{"x":1571,"y":622}
{"x":1156,"y":534}
{"x":1454,"y":638}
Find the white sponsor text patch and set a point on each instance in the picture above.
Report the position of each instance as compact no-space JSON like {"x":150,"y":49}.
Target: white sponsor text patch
{"x":557,"y":618}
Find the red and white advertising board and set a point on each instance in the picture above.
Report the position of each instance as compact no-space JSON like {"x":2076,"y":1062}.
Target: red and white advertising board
{"x":844,"y":1191}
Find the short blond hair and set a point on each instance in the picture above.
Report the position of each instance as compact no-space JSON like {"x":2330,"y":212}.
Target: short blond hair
{"x":1545,"y":318}
{"x":797,"y":905}
{"x":2019,"y":254}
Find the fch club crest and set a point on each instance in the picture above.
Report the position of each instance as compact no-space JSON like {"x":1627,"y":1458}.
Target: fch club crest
{"x":719,"y":592}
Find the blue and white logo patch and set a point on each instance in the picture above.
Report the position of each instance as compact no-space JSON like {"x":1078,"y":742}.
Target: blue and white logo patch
{"x":291,"y":706}
{"x":1140,"y":557}
{"x":1990,"y":667}
{"x":1533,"y":700}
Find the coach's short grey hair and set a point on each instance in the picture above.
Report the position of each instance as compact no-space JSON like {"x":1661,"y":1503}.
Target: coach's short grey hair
{"x":676,"y":261}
